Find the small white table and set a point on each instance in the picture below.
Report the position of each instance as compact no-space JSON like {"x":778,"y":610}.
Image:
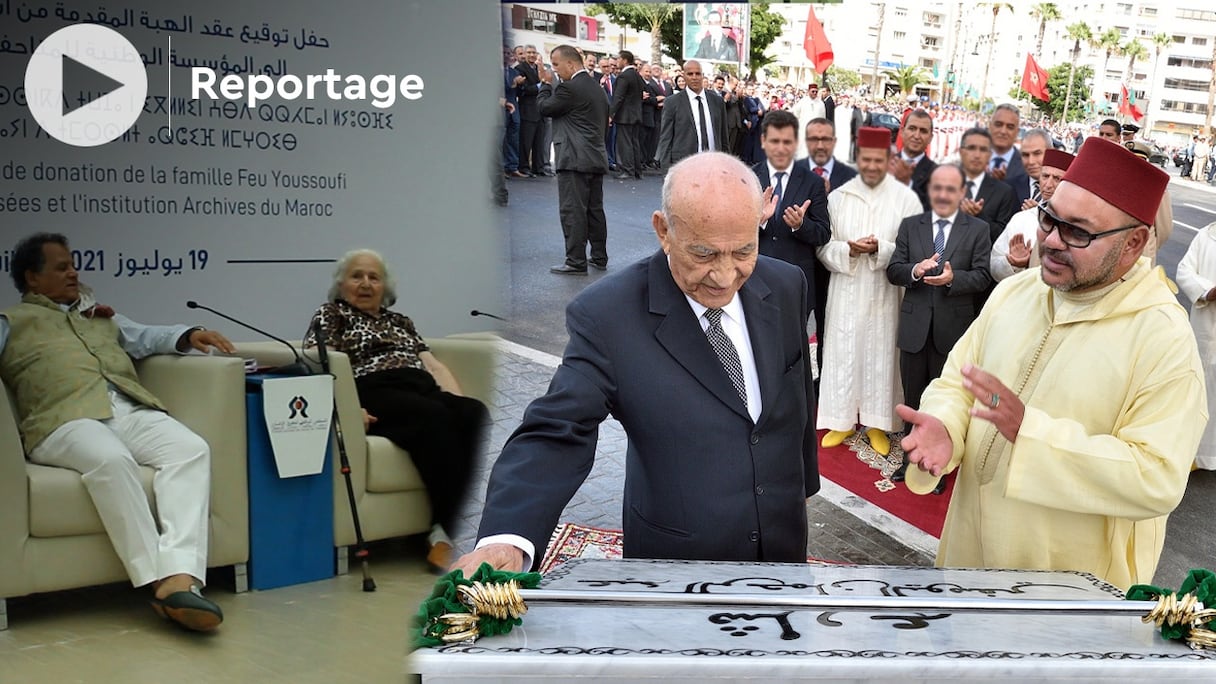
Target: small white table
{"x":639,"y":643}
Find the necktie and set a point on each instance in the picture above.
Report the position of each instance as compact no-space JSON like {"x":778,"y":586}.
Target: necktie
{"x":1034,"y":192}
{"x":939,"y":240}
{"x":970,"y":190}
{"x":997,"y":161}
{"x":704,"y":142}
{"x":820,"y":171}
{"x":777,"y":187}
{"x":725,"y":349}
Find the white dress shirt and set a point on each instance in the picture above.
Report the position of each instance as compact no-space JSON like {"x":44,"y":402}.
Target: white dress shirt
{"x":933,"y":224}
{"x":696,"y":118}
{"x":785,"y":186}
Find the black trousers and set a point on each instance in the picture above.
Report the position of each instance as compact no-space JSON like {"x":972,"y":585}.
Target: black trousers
{"x":580,"y":202}
{"x":532,"y":145}
{"x":629,"y":148}
{"x":918,"y":369}
{"x":442,"y":431}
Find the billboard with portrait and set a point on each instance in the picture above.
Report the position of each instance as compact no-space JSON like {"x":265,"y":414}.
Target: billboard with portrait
{"x":716,"y":31}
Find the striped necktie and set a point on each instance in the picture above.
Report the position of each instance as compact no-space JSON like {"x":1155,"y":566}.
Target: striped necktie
{"x":726,"y":351}
{"x":939,"y":240}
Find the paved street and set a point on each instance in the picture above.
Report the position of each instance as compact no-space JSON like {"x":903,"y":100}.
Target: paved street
{"x":843,"y":527}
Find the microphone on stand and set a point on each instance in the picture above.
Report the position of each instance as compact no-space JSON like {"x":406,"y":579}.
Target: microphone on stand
{"x":299,"y":367}
{"x":475,"y":312}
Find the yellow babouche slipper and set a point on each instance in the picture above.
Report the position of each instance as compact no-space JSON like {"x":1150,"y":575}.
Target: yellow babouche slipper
{"x":835,"y":438}
{"x":878,"y":440}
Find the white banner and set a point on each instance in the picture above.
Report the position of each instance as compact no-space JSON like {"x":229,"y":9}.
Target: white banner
{"x":298,"y":412}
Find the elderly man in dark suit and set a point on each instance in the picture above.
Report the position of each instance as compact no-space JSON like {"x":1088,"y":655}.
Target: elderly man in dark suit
{"x":694,"y":120}
{"x":700,"y":352}
{"x":531,"y":124}
{"x":626,"y":113}
{"x":800,"y":223}
{"x":941,"y":257}
{"x":580,"y":117}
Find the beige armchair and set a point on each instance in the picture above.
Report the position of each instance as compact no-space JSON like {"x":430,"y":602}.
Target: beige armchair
{"x":389,"y":492}
{"x":50,"y":535}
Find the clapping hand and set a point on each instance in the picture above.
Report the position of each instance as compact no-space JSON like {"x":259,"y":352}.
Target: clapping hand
{"x":1019,"y":251}
{"x":972,"y":207}
{"x":944,"y":278}
{"x":794,"y":214}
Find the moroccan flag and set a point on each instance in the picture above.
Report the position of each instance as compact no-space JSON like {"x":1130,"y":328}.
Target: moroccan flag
{"x":816,"y":44}
{"x":1127,"y":105}
{"x":1034,"y":79}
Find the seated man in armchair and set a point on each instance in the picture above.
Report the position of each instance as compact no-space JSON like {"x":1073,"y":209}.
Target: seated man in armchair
{"x":80,"y":406}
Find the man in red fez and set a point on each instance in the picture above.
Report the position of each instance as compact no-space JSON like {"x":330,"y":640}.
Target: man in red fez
{"x":1074,"y":405}
{"x":1013,"y":251}
{"x":860,"y":380}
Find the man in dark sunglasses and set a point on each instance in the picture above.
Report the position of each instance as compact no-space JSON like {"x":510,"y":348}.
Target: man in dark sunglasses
{"x":1073,"y":406}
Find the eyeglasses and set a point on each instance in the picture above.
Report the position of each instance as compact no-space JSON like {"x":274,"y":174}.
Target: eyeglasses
{"x":1071,"y":235}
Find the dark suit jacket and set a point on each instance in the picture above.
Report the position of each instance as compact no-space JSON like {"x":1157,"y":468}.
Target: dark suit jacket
{"x":829,"y":109}
{"x":580,"y":121}
{"x":701,"y":480}
{"x":678,"y":136}
{"x":841,"y":173}
{"x":944,"y":311}
{"x":920,"y":179}
{"x":627,"y":98}
{"x":1015,"y":163}
{"x":650,"y":111}
{"x":1021,"y":188}
{"x":728,"y":49}
{"x":798,"y":246}
{"x":999,"y":206}
{"x":527,"y":92}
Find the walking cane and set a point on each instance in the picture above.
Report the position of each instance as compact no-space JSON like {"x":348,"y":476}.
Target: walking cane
{"x":344,"y":463}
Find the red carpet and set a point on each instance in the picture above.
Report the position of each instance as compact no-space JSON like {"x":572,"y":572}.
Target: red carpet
{"x":571,"y":541}
{"x":855,"y":466}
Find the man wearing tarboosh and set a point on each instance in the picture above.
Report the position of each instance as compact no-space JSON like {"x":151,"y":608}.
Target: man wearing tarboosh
{"x":1074,"y":405}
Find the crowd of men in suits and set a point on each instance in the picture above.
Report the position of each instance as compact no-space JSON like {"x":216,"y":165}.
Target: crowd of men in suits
{"x":701,"y":350}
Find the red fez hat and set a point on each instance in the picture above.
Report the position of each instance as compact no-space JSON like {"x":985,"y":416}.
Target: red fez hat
{"x":1107,"y":169}
{"x":871,"y":137}
{"x":1057,"y":159}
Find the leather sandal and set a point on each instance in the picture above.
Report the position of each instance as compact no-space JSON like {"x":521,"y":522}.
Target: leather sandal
{"x":190,"y":609}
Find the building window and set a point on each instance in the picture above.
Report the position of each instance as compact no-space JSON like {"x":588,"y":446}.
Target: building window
{"x":1190,"y":62}
{"x":928,"y":63}
{"x":1199,"y":41}
{"x":929,"y":41}
{"x":901,"y":11}
{"x":900,"y":35}
{"x":1196,"y":15}
{"x":1123,"y":8}
{"x":1148,"y":11}
{"x":1186,"y":84}
{"x":1179,"y":39}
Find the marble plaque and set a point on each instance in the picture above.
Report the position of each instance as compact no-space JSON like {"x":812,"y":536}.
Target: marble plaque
{"x":636,"y":642}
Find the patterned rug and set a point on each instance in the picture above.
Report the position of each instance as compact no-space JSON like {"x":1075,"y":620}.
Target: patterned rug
{"x":855,"y":466}
{"x":571,"y":541}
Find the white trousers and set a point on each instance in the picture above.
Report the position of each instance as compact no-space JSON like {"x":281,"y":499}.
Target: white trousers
{"x":108,"y":454}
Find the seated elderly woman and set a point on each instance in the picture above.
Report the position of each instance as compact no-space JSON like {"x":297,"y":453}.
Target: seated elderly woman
{"x":407,"y":395}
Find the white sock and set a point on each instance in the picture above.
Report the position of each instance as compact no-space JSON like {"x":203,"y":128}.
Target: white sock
{"x":437,"y":535}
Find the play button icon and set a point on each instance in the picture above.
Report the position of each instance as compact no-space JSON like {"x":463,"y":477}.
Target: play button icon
{"x":85,"y":85}
{"x":92,"y":84}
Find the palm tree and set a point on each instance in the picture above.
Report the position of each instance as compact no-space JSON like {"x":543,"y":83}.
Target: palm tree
{"x":1160,"y":42}
{"x":907,"y":77}
{"x":1045,"y":12}
{"x":996,"y":9}
{"x":1108,"y":41}
{"x":882,"y":11}
{"x":1079,"y":31}
{"x":1133,"y":50}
